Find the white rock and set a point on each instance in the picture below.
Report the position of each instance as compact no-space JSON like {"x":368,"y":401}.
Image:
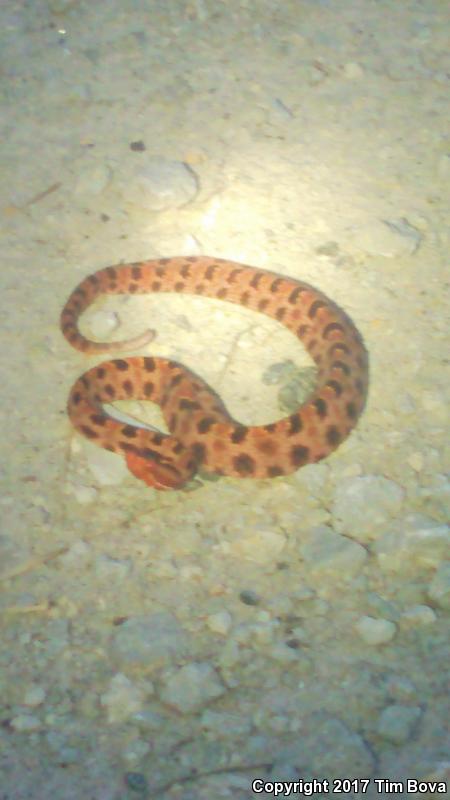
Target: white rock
{"x":84,"y":495}
{"x":260,"y":546}
{"x":388,"y":238}
{"x":26,"y":723}
{"x":34,"y":696}
{"x":112,"y":569}
{"x":362,"y":505}
{"x":414,"y":543}
{"x":136,"y":750}
{"x":396,"y":722}
{"x":108,"y":469}
{"x":220,"y":622}
{"x":439,"y":588}
{"x":122,"y":700}
{"x":192,"y":687}
{"x":329,"y":748}
{"x":92,"y":179}
{"x":330,"y":555}
{"x":151,"y":640}
{"x":375,"y":631}
{"x":160,"y":184}
{"x":352,"y":70}
{"x":222,"y":722}
{"x":417,"y":615}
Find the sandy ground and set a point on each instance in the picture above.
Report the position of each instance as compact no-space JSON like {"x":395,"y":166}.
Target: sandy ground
{"x":180,"y":646}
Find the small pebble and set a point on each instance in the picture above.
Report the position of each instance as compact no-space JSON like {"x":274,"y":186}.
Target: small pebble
{"x":396,"y":723}
{"x":249,"y":597}
{"x":191,"y":687}
{"x":34,"y":696}
{"x":25,"y":723}
{"x":219,"y":622}
{"x":375,"y":631}
{"x":136,"y":782}
{"x":439,"y":588}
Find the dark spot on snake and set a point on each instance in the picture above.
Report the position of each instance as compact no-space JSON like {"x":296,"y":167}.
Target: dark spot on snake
{"x":267,"y":446}
{"x":295,"y":424}
{"x":275,"y":285}
{"x":129,"y":431}
{"x":362,"y":362}
{"x":314,"y":308}
{"x":199,"y":452}
{"x":205,"y":424}
{"x":321,"y":407}
{"x":274,"y":472}
{"x":335,"y":386}
{"x":302,"y":330}
{"x":128,"y":387}
{"x":121,"y":364}
{"x":175,"y":380}
{"x":342,"y":366}
{"x":244,"y":464}
{"x":239,"y":434}
{"x":111,"y":272}
{"x":172,"y":422}
{"x":280,"y":313}
{"x":262,"y":305}
{"x":299,"y":455}
{"x":98,"y":419}
{"x":333,"y":436}
{"x":233,"y":275}
{"x":148,"y":388}
{"x":294,"y":295}
{"x":110,"y":390}
{"x":179,"y":286}
{"x":199,"y":289}
{"x":255,"y":281}
{"x":352,"y":411}
{"x":222,"y":293}
{"x":156,"y":285}
{"x":88,"y":432}
{"x":136,"y":273}
{"x":148,"y":363}
{"x":76,"y":398}
{"x":132,"y":288}
{"x":188,"y":405}
{"x":101,"y":372}
{"x":270,"y":427}
{"x":209,"y":274}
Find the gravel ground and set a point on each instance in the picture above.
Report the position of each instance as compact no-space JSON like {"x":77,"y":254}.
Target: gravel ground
{"x":179,"y":646}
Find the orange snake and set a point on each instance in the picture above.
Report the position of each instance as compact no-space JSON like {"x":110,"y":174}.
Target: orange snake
{"x":202,"y":433}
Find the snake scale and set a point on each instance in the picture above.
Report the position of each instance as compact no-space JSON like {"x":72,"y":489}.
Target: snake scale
{"x":202,"y":433}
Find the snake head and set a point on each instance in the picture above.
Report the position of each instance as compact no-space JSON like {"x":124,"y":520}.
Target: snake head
{"x":158,"y":473}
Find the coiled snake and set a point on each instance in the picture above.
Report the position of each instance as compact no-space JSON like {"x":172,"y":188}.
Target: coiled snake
{"x":202,"y":433}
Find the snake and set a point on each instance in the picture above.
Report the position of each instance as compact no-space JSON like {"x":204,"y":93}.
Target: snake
{"x":202,"y":434}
